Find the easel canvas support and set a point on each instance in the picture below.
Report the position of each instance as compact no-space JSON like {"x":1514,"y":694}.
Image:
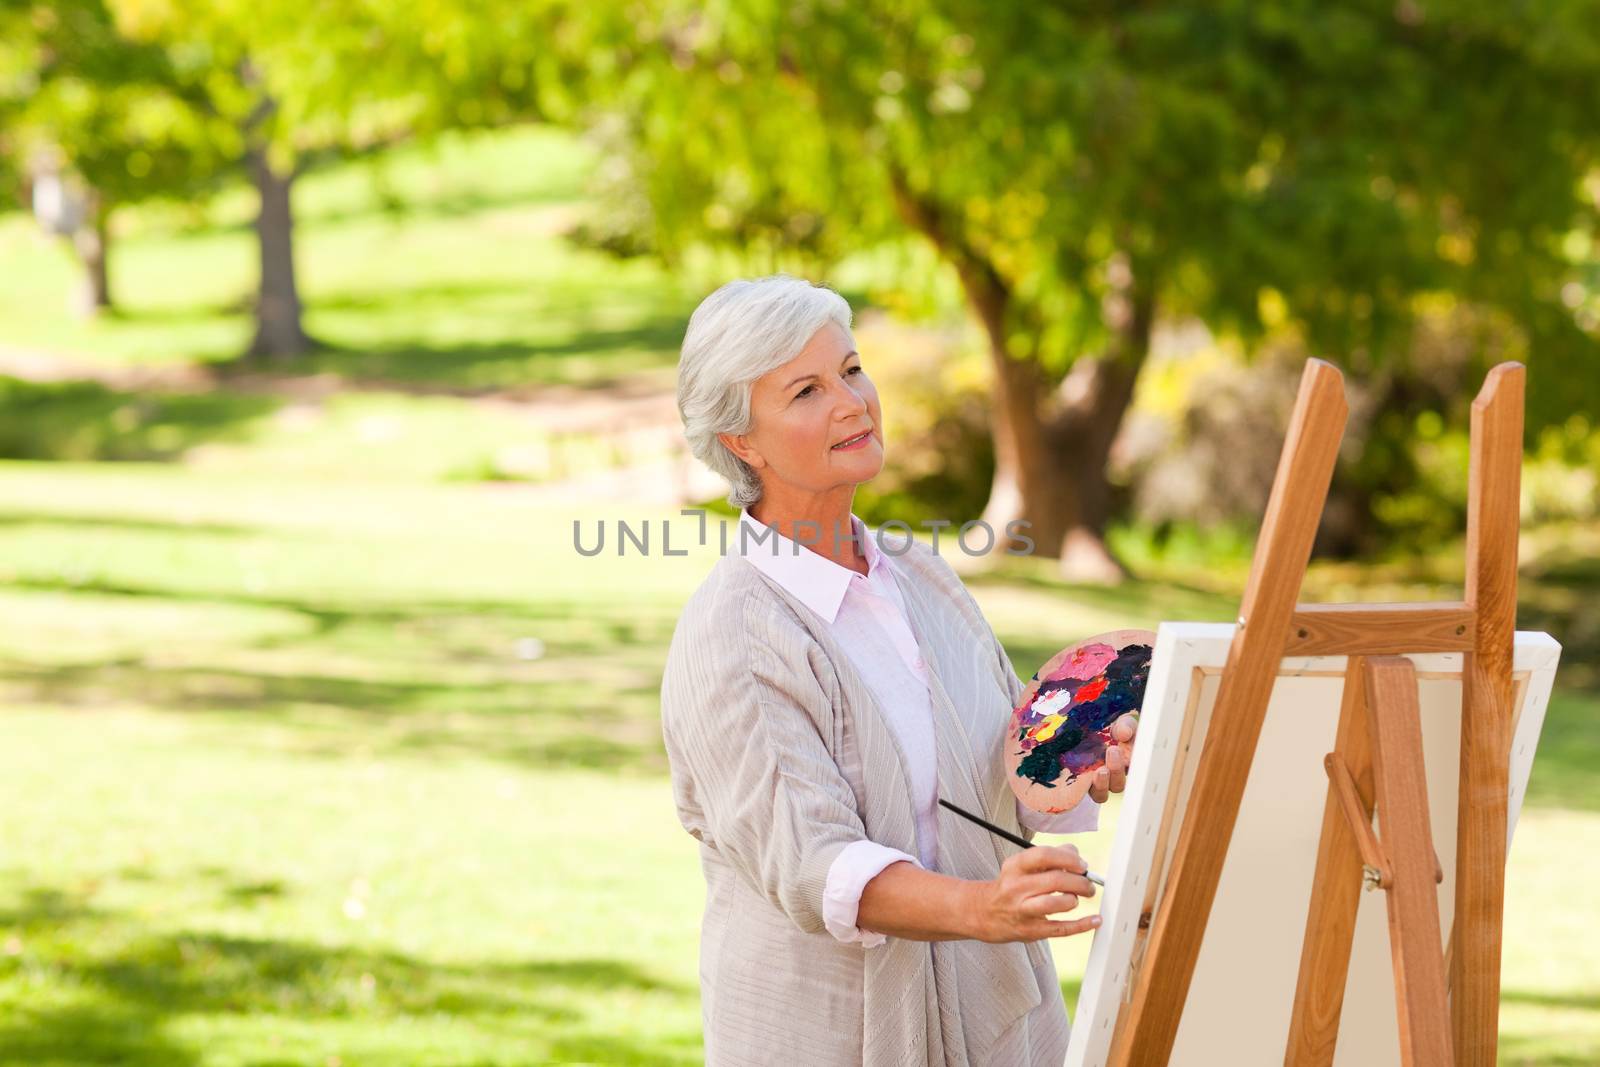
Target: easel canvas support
{"x":1447,"y":1002}
{"x":1380,"y":734}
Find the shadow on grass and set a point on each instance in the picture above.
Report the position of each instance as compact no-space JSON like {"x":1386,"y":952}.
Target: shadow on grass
{"x":123,"y":523}
{"x":488,"y":367}
{"x":86,"y":421}
{"x":447,"y":682}
{"x":89,"y":420}
{"x":1575,"y":1001}
{"x":101,"y":989}
{"x":440,"y":207}
{"x":335,"y":718}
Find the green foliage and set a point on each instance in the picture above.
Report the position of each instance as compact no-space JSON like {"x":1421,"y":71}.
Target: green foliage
{"x":121,"y":115}
{"x":159,"y":99}
{"x":1561,"y":475}
{"x":1253,"y":164}
{"x":350,"y":74}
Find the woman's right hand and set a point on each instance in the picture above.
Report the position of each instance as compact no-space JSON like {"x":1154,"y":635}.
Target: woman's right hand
{"x":1036,"y":882}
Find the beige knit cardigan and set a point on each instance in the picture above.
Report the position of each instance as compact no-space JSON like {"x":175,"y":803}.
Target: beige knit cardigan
{"x":781,"y":757}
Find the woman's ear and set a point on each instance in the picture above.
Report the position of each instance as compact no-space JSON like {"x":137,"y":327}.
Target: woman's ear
{"x":739,"y":445}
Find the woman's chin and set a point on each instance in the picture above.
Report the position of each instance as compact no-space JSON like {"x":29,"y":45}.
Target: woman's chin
{"x":862,"y":463}
{"x":866,"y":471}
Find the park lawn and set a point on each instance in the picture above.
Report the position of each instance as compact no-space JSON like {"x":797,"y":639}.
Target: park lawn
{"x":289,"y":781}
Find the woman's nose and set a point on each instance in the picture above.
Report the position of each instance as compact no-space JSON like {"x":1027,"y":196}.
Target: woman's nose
{"x":851,"y":401}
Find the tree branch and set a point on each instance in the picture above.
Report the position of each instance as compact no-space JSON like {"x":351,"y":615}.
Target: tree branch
{"x":987,"y":290}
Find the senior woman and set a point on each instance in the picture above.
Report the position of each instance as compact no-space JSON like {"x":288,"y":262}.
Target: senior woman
{"x":825,"y":686}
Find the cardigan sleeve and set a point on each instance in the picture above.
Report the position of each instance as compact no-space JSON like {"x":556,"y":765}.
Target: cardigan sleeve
{"x":753,"y":779}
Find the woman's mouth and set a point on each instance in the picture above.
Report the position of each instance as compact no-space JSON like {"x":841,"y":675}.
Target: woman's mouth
{"x":853,"y":443}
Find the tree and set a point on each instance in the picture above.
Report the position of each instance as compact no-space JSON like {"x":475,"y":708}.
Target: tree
{"x":299,"y":82}
{"x":96,"y":121}
{"x":1085,"y":169}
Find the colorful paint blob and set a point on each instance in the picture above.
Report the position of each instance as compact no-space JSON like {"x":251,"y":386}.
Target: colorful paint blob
{"x":1061,"y":726}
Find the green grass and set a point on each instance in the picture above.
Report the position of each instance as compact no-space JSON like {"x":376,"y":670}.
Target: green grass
{"x":319,"y":752}
{"x":279,"y":786}
{"x":189,"y":901}
{"x":281,"y":782}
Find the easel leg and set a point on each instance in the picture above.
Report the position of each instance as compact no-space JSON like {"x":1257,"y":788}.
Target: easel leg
{"x":1494,"y":489}
{"x":1149,"y":1022}
{"x":1401,"y":793}
{"x":1335,"y":893}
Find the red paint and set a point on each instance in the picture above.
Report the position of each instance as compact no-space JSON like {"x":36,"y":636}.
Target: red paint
{"x":1090,"y":690}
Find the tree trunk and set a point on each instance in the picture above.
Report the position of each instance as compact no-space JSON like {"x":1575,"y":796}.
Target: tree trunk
{"x":1090,"y":404}
{"x":279,"y":334}
{"x":1050,"y":470}
{"x":1051,"y":451}
{"x":1081,"y":440}
{"x":92,"y":242}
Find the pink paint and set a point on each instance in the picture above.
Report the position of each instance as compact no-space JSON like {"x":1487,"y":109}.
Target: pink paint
{"x":1084,"y":663}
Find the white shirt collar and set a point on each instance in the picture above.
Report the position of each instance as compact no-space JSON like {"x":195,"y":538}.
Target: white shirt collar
{"x":816,"y":581}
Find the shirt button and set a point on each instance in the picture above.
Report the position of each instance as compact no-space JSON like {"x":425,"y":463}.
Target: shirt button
{"x":917,"y":663}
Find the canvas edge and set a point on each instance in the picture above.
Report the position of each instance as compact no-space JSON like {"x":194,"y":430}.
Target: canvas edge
{"x":1179,"y":648}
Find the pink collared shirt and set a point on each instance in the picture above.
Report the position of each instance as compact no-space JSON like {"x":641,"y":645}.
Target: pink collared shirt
{"x":867,"y":616}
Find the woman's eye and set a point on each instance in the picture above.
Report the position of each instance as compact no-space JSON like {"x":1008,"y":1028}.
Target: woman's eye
{"x":850,"y":370}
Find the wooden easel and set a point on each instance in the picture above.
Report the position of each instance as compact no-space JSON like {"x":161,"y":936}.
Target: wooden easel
{"x":1448,"y":1004}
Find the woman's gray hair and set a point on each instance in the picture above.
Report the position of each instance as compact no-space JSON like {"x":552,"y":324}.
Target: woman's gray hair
{"x":737,"y":334}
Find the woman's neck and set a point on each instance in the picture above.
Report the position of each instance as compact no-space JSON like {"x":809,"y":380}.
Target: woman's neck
{"x":824,"y":527}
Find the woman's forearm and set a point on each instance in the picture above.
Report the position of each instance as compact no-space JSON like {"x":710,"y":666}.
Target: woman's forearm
{"x":904,"y":900}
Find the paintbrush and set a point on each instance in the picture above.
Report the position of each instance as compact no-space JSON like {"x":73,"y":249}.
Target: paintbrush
{"x":1009,"y":836}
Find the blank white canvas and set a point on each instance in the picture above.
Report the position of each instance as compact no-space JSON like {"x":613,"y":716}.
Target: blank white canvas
{"x":1242,"y":993}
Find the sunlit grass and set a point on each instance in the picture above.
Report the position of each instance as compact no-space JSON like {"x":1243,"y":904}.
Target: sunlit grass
{"x":299,"y":771}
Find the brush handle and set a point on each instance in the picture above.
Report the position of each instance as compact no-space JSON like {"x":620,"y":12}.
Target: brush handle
{"x":1008,"y":835}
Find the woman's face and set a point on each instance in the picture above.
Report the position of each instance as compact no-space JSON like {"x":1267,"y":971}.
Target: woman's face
{"x":801,"y":412}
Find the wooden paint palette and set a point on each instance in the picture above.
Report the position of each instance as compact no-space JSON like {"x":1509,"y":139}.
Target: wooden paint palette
{"x":1061,"y":726}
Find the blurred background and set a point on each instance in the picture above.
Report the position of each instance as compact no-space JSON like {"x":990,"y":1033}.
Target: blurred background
{"x":321,"y":325}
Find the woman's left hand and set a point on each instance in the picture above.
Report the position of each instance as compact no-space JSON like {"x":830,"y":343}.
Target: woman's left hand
{"x":1113,"y":777}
